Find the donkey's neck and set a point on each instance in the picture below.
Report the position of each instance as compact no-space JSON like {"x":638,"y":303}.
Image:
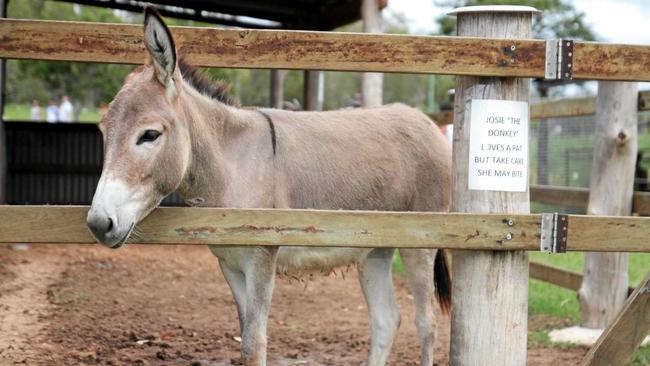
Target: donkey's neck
{"x":231,"y":155}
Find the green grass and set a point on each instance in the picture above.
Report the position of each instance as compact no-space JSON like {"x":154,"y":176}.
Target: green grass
{"x":398,"y":265}
{"x":551,"y":307}
{"x":558,"y":305}
{"x":21,"y":112}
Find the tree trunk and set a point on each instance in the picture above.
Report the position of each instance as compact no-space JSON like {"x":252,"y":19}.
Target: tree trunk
{"x":276,"y":97}
{"x":489,"y":288}
{"x":604,"y":285}
{"x":372,"y":83}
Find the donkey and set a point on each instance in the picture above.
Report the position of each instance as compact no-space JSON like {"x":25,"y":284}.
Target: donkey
{"x":169,"y":129}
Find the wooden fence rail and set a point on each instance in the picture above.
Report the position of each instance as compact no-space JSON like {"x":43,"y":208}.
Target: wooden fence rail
{"x":624,"y":335}
{"x":575,"y":107}
{"x":578,"y":198}
{"x":221,"y":226}
{"x":558,"y":276}
{"x":122,"y":43}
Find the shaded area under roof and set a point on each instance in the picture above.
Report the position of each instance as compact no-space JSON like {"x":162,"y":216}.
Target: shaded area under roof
{"x":270,"y":14}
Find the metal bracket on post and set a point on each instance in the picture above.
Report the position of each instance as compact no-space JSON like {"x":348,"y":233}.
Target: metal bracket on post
{"x":559,"y":59}
{"x":555,"y":228}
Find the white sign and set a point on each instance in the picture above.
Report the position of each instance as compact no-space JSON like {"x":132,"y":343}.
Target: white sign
{"x":498,"y":145}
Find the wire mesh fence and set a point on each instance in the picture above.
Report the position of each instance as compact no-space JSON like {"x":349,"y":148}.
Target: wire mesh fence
{"x":561,"y":151}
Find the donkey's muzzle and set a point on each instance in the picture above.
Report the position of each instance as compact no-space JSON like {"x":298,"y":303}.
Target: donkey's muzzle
{"x":100,"y":226}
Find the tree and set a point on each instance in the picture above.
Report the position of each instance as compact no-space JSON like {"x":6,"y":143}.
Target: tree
{"x":558,"y":19}
{"x":86,"y":83}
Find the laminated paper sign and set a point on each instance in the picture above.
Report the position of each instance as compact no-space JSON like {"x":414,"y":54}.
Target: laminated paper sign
{"x":498,"y":147}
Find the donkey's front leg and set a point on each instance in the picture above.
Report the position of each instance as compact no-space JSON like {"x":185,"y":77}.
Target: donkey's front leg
{"x":259,"y":276}
{"x":377,"y":284}
{"x":237,"y":282}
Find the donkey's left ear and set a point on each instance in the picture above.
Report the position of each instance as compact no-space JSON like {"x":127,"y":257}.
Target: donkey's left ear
{"x":160,"y":44}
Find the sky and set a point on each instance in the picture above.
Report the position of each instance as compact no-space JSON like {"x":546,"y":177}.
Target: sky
{"x":616,"y":21}
{"x":620,"y":21}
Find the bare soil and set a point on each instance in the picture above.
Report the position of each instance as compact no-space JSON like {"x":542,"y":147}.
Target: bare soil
{"x":154,"y":305}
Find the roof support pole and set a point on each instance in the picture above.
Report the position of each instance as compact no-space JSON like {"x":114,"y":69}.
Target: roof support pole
{"x":372,"y":83}
{"x":3,"y":145}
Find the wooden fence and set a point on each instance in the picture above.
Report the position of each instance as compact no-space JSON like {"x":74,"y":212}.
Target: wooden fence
{"x":575,"y":107}
{"x":216,"y":226}
{"x":574,"y":197}
{"x":120,"y":43}
{"x":495,"y":57}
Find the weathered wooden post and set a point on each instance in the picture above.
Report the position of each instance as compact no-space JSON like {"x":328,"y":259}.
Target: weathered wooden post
{"x":276,"y":97}
{"x":372,"y":83}
{"x":604,"y":285}
{"x":490,"y":288}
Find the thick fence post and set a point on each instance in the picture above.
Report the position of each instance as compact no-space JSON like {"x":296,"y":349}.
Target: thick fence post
{"x":490,"y":289}
{"x":604,"y":287}
{"x":372,"y":83}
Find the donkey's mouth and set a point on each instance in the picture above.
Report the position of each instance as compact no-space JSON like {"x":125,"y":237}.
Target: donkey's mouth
{"x":124,"y":238}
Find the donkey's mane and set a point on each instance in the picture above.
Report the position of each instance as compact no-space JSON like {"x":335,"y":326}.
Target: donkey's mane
{"x":215,"y":90}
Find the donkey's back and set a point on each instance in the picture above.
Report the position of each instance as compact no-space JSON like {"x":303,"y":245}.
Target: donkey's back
{"x":385,"y":158}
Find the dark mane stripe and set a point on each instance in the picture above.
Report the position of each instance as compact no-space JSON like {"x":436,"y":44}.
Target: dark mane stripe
{"x":205,"y":86}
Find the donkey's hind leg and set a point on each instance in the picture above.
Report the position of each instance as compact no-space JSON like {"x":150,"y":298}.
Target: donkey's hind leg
{"x":375,"y":276}
{"x":419,"y":270}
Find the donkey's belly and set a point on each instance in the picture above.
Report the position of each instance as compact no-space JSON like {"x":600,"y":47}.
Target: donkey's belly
{"x":295,"y":260}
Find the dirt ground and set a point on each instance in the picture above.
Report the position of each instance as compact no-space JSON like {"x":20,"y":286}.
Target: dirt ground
{"x":88,"y":305}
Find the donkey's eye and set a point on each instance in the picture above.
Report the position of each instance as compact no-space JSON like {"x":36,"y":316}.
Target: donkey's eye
{"x":148,"y":136}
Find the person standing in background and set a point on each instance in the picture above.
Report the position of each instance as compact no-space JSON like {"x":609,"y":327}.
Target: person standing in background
{"x":65,"y":110}
{"x":52,"y":112}
{"x":640,"y":175}
{"x":36,"y":111}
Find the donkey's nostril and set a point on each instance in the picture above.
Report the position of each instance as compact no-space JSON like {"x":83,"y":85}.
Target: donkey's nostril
{"x":100,"y":225}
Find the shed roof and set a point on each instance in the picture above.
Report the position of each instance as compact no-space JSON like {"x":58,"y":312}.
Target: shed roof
{"x":273,"y":14}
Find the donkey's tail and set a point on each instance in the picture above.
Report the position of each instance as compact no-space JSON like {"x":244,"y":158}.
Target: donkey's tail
{"x":442,"y":279}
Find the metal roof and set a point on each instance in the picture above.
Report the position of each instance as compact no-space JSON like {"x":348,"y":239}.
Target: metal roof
{"x":273,"y":14}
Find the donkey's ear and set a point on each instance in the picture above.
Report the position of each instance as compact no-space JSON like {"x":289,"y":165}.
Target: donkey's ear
{"x":160,"y":44}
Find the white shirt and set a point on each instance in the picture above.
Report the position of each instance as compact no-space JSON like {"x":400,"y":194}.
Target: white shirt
{"x":36,"y":113}
{"x":52,"y":114}
{"x":65,"y":112}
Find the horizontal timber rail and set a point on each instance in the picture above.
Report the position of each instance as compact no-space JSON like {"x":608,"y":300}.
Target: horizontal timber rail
{"x":574,"y":107}
{"x":569,"y":280}
{"x":211,"y":47}
{"x":579,"y":197}
{"x":221,"y":226}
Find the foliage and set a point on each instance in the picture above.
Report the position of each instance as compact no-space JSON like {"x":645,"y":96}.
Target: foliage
{"x":559,"y":19}
{"x":90,"y":84}
{"x":85,"y":83}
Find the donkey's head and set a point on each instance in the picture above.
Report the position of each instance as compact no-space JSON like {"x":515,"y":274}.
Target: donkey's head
{"x":146,"y":141}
